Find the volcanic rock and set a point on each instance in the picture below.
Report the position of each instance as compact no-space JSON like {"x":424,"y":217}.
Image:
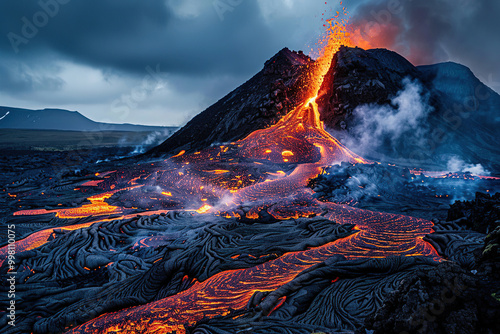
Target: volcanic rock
{"x":460,"y":295}
{"x":258,"y":103}
{"x":481,"y":214}
{"x":109,"y":265}
{"x":445,"y":299}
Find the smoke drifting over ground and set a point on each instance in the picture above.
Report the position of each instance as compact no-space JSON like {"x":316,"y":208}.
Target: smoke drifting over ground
{"x":455,"y":164}
{"x":389,"y":188}
{"x":153,"y":139}
{"x":401,"y":131}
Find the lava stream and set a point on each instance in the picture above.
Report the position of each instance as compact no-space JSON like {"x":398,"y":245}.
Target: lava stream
{"x":380,"y":235}
{"x":97,"y":207}
{"x":303,"y":123}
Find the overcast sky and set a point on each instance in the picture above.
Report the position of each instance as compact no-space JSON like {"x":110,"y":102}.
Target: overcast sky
{"x":160,"y":62}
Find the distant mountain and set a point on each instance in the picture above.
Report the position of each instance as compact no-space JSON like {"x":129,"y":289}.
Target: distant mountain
{"x":59,"y":119}
{"x":463,"y":120}
{"x":458,"y":83}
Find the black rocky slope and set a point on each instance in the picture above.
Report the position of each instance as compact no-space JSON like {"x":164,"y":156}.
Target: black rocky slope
{"x":256,"y":104}
{"x":359,"y":77}
{"x":464,"y":114}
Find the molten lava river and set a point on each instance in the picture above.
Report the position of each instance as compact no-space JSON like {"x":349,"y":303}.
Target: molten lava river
{"x":269,"y":166}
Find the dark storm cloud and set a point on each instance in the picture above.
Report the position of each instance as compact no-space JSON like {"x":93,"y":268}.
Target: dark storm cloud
{"x":425,"y":32}
{"x":16,"y":78}
{"x":128,"y":35}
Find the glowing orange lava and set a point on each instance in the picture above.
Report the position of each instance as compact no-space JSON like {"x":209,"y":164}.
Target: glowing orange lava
{"x":98,"y":207}
{"x":300,"y":128}
{"x":204,"y":209}
{"x":40,"y":238}
{"x":380,"y":235}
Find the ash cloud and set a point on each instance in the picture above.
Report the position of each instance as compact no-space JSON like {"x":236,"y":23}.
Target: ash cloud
{"x":428,"y":32}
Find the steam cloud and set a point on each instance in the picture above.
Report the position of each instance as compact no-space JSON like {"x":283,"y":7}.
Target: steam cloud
{"x":401,"y":125}
{"x":455,"y":164}
{"x":154,"y":138}
{"x":378,"y":126}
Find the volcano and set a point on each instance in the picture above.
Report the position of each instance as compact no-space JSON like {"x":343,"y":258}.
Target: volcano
{"x":463,"y":120}
{"x":246,"y":220}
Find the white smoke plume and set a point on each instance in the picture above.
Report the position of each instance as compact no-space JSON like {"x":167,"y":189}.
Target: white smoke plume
{"x":455,"y":164}
{"x":377,"y":126}
{"x":154,"y":138}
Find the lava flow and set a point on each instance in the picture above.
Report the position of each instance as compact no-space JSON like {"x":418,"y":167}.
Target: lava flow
{"x":97,"y":207}
{"x":380,"y":235}
{"x":293,"y":137}
{"x":298,"y":138}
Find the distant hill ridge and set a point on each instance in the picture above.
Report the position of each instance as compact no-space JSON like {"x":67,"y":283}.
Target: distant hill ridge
{"x":60,"y":119}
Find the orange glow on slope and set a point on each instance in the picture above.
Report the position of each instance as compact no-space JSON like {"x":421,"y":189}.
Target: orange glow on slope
{"x":204,"y":209}
{"x":92,"y":183}
{"x":179,"y":154}
{"x":217,"y":171}
{"x":308,"y":132}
